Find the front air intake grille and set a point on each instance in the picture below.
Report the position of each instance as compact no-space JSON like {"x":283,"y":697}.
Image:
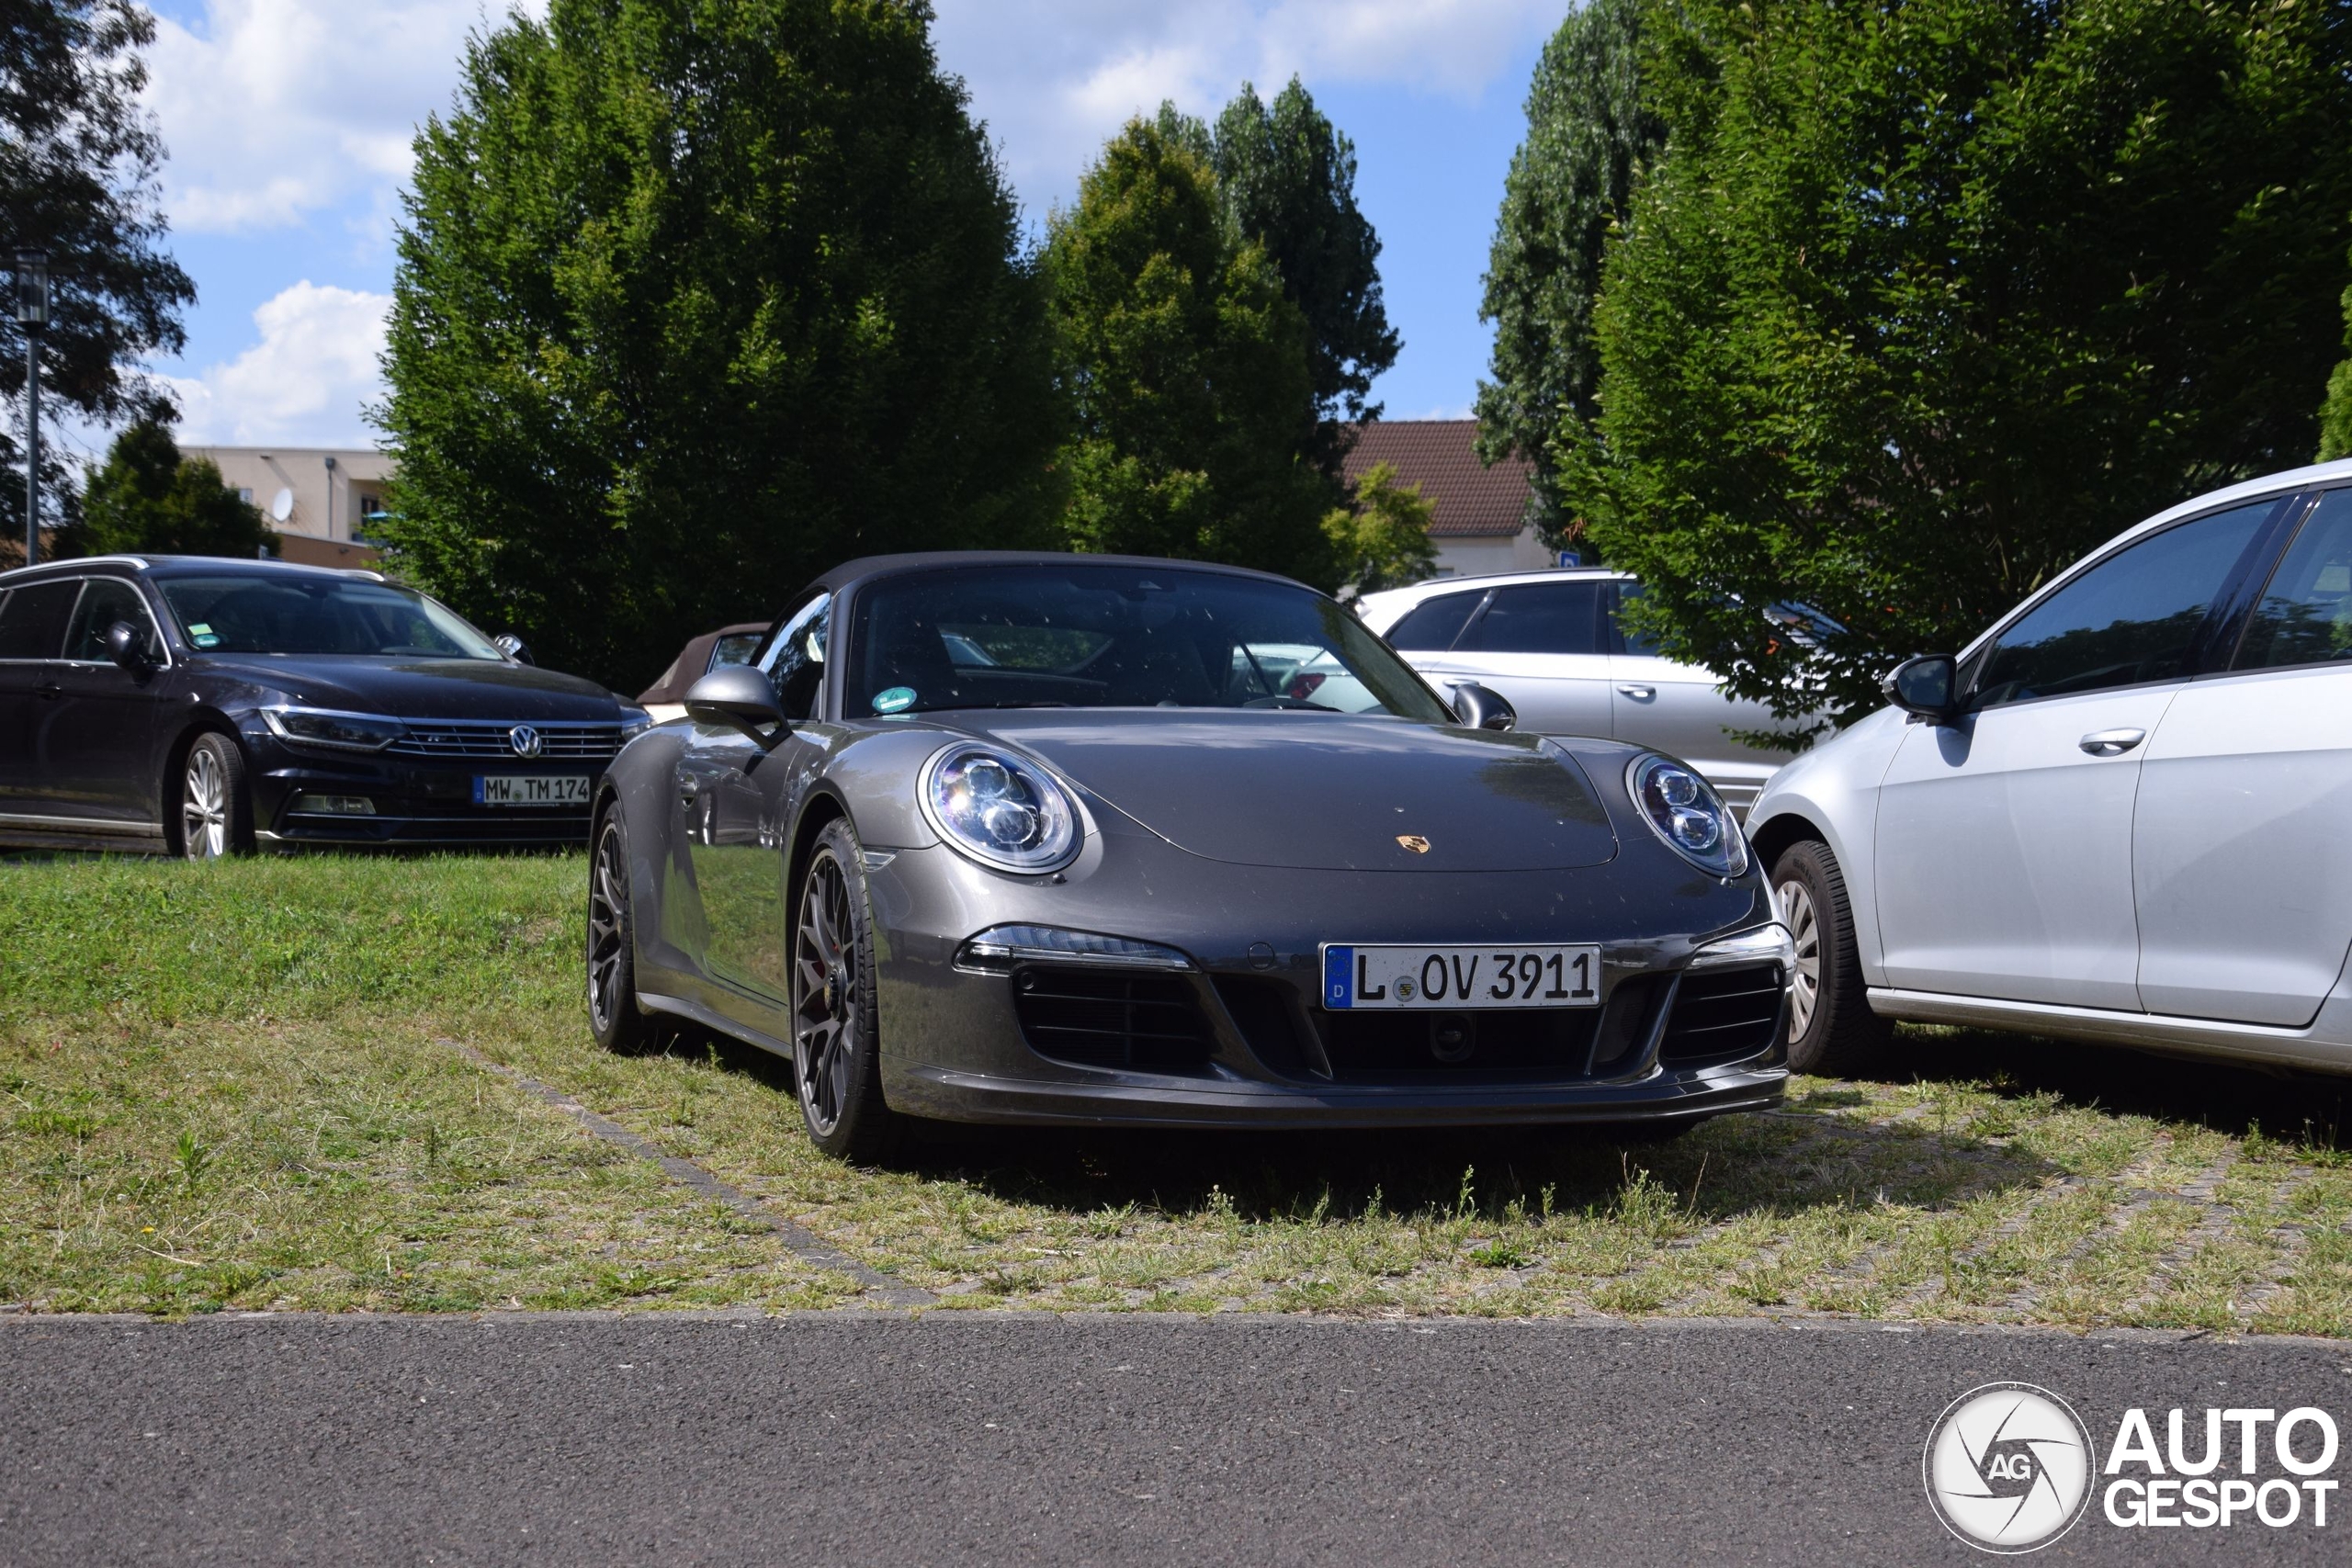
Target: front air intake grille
{"x":1111,"y":1018}
{"x":470,"y":739}
{"x":1722,"y":1015}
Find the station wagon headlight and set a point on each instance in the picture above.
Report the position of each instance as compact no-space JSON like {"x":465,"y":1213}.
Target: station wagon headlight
{"x":1002,"y":811}
{"x":1684,"y":810}
{"x":336,"y":731}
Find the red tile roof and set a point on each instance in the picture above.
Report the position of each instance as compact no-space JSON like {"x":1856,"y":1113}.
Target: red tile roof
{"x":1473,"y":500}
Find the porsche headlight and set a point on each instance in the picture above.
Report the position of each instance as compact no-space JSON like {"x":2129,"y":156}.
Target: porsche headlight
{"x":999,"y":810}
{"x":1689,"y":815}
{"x":336,"y":731}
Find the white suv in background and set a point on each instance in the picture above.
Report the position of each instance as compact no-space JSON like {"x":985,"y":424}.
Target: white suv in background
{"x":1550,"y":643}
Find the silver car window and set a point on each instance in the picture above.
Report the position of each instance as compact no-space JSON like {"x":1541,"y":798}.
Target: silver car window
{"x":794,"y":662}
{"x":1538,"y":617}
{"x":2131,"y":618}
{"x":2305,"y":616}
{"x":1431,"y":625}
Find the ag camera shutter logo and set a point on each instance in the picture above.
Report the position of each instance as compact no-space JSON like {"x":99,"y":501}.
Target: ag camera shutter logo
{"x":2009,"y":1467}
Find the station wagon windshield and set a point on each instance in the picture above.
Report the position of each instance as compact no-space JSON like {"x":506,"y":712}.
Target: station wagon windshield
{"x":1091,"y":637}
{"x":240,"y":614}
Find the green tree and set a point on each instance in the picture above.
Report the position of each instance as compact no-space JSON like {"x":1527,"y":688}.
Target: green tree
{"x":147,"y":499}
{"x":695,"y":299}
{"x":1929,"y":299}
{"x":1186,"y":369}
{"x":1286,"y":178}
{"x":1590,"y":137}
{"x":2336,"y":414}
{"x":1383,"y":540}
{"x":78,"y":163}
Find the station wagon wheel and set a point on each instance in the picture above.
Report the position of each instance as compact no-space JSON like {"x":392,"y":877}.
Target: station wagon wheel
{"x":615,"y":1016}
{"x":1805,"y":927}
{"x":215,"y":816}
{"x":1831,"y":1027}
{"x":836,"y":1054}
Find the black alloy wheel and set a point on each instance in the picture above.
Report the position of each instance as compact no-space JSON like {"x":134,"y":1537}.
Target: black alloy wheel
{"x":615,"y":1016}
{"x":1831,"y":1027}
{"x":836,"y":1043}
{"x":215,"y":815}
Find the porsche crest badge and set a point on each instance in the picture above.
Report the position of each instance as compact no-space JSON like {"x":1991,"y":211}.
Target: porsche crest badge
{"x":1413,"y":842}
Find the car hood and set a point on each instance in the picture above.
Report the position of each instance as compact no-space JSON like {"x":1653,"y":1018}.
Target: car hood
{"x":424,"y":688}
{"x":1327,"y":792}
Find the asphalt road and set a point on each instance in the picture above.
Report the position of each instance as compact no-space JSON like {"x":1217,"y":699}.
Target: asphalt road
{"x":966,"y":1439}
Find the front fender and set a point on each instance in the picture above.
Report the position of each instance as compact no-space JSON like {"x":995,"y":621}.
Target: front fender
{"x":1831,"y":793}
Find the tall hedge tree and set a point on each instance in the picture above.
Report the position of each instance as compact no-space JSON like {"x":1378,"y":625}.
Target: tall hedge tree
{"x":1590,"y":137}
{"x":78,"y":163}
{"x":1286,"y":178}
{"x":1929,"y":297}
{"x":1187,"y":369}
{"x":696,"y":298}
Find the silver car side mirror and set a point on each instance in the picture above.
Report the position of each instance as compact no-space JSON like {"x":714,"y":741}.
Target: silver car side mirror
{"x":1479,"y":708}
{"x":1924,"y":687}
{"x":737,"y":696}
{"x":512,"y":646}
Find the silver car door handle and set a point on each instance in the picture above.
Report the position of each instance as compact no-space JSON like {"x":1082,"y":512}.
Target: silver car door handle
{"x":2112,"y":743}
{"x":1643,"y":693}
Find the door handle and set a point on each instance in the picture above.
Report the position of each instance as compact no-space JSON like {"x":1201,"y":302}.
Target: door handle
{"x":2112,"y":743}
{"x":1640,"y":693}
{"x":49,"y":691}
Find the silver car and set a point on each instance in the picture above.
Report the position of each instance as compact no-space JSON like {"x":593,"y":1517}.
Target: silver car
{"x":1550,"y":643}
{"x":2118,"y":815}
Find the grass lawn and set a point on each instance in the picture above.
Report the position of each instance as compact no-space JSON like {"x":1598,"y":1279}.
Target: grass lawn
{"x":222,"y":1087}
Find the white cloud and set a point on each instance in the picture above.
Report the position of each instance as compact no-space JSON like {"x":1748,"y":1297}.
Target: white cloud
{"x":1053,"y":78}
{"x":275,"y":109}
{"x":303,"y":384}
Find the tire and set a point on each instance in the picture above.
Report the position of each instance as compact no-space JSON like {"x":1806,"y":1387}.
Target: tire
{"x":616,"y":1017}
{"x":836,"y":1035}
{"x":213,"y":809}
{"x":1831,"y":1027}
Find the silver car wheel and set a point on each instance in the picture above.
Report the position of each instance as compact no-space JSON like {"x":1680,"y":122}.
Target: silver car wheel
{"x":827,"y":1016}
{"x":1804,"y":982}
{"x":204,"y":807}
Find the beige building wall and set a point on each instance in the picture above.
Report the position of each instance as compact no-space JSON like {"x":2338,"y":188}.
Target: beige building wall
{"x":333,"y":489}
{"x":1478,"y":553}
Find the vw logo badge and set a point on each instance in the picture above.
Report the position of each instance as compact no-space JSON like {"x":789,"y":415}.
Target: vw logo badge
{"x":526,"y":742}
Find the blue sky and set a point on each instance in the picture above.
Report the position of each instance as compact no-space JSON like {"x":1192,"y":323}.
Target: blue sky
{"x":289,"y":124}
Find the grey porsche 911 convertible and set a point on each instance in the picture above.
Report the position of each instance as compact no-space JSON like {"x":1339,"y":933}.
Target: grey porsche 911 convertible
{"x":1091,"y":839}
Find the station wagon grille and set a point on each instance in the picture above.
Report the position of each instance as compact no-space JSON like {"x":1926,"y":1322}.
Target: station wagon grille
{"x":1110,"y":1018}
{"x":487,"y":738}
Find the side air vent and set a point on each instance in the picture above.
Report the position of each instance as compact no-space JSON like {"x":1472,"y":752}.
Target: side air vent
{"x":1722,"y":1015}
{"x":1111,"y":1018}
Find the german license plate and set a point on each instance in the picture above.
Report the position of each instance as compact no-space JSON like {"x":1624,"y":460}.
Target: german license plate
{"x":531,"y":789}
{"x":1453,"y":978}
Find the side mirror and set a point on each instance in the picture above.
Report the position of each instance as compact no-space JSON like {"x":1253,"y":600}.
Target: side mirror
{"x":1925,"y":687}
{"x":1479,"y":708}
{"x":127,"y":646}
{"x":512,"y":646}
{"x":738,"y":697}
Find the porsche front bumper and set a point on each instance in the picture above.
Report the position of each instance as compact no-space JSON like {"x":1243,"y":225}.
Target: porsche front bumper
{"x":1226,"y":1029}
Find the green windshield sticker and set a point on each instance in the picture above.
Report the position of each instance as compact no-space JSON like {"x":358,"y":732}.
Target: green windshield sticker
{"x":201,"y":634}
{"x":894,"y":699}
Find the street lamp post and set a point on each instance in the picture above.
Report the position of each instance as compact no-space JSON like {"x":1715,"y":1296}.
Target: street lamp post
{"x":32,"y":315}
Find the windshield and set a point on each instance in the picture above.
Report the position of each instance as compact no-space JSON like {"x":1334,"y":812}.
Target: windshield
{"x":1091,"y":637}
{"x":232,"y":614}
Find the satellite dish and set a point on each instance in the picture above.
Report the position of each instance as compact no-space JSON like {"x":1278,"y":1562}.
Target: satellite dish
{"x":281,"y":505}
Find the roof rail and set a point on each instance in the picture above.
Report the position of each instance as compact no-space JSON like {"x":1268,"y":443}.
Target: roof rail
{"x":140,"y":562}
